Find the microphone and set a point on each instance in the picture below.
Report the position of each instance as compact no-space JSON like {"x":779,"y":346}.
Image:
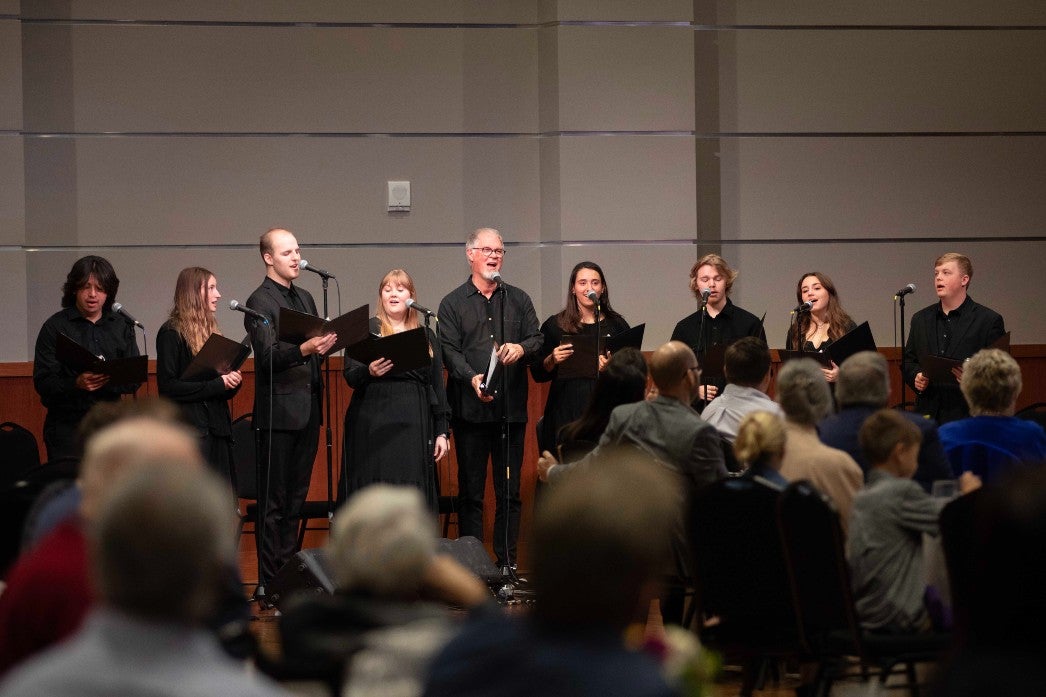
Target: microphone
{"x":591,"y":295}
{"x":496,"y":277}
{"x":704,"y":295}
{"x":910,"y":288}
{"x":304,"y":264}
{"x":420,"y":308}
{"x":805,"y":307}
{"x":118,"y":308}
{"x":235,"y":305}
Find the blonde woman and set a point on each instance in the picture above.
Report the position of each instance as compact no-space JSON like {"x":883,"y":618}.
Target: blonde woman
{"x":760,"y":446}
{"x":397,"y":424}
{"x":205,"y":403}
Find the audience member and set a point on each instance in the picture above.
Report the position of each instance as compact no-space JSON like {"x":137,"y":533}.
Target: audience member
{"x":383,"y":559}
{"x":760,"y":447}
{"x":747,"y":367}
{"x":890,"y":515}
{"x":600,"y":545}
{"x":158,"y":543}
{"x":48,"y":590}
{"x":863,"y":388}
{"x":992,"y":439}
{"x":623,"y":381}
{"x":804,"y":396}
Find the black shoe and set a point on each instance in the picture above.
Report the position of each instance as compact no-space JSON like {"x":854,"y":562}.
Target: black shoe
{"x":262,"y":598}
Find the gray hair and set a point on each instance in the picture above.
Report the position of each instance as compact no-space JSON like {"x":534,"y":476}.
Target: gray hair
{"x":161,"y":541}
{"x":864,"y":378}
{"x":474,"y":235}
{"x":803,"y":392}
{"x":382,"y":541}
{"x":991,"y":381}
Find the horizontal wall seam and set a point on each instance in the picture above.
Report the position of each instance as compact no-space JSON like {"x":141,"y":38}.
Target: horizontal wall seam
{"x":702,"y":135}
{"x":85,"y":21}
{"x":545,"y":244}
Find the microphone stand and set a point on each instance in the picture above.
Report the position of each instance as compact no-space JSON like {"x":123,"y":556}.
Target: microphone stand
{"x":327,"y":420}
{"x":506,"y":444}
{"x":900,"y":301}
{"x":701,"y":348}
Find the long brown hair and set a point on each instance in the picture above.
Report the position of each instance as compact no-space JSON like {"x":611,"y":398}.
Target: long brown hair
{"x":569,"y":318}
{"x":838,"y":321}
{"x":190,"y":316}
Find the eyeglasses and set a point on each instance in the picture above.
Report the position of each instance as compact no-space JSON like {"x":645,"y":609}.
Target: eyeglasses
{"x":490,"y":252}
{"x":695,"y":368}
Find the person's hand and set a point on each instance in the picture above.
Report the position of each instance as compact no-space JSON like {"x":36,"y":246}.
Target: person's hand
{"x":708,"y":392}
{"x":477,"y":380}
{"x":545,"y":464}
{"x":921,"y":382}
{"x":319,"y":344}
{"x":957,"y":372}
{"x":603,"y":360}
{"x":442,"y":447}
{"x":509,"y":353}
{"x":558,"y":355}
{"x":831,"y":374}
{"x":91,"y":381}
{"x":446,"y":580}
{"x":379,"y":367}
{"x":232,"y":379}
{"x":968,"y":481}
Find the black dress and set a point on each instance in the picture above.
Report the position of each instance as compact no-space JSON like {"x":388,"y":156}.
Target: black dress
{"x":205,"y":403}
{"x":391,"y":426}
{"x":567,"y":397}
{"x":808,"y":346}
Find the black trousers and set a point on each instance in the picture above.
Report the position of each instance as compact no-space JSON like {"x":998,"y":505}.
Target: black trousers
{"x":289,"y":475}
{"x":475,"y":444}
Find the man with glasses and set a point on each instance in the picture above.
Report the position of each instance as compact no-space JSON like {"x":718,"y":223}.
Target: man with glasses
{"x":470,"y":330}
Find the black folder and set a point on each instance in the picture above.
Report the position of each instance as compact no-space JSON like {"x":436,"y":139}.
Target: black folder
{"x":854,"y":341}
{"x":584,"y":362}
{"x":711,"y":361}
{"x":351,"y":328}
{"x":121,"y":371}
{"x":821,"y":357}
{"x":217,"y":357}
{"x":939,"y":368}
{"x":407,"y":350}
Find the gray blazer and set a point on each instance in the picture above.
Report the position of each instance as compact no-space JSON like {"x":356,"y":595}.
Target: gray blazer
{"x":671,"y":432}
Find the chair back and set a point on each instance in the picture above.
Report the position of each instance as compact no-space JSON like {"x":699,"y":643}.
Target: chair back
{"x":739,"y":567}
{"x":1034,"y":412}
{"x":20,"y":452}
{"x":815,"y":553}
{"x":958,"y":523}
{"x":245,"y":465}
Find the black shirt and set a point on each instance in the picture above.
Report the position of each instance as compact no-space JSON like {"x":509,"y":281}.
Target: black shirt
{"x":732,"y":323}
{"x":111,"y":337}
{"x":469,"y":326}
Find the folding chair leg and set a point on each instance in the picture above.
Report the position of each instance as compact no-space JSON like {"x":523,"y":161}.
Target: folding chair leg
{"x":913,"y":679}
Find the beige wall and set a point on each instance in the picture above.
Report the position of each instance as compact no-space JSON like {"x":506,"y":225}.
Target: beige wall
{"x":862,"y":147}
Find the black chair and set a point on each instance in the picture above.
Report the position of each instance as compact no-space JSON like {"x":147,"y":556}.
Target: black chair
{"x":959,"y":532}
{"x":20,"y":452}
{"x":814,"y":549}
{"x":741,"y":578}
{"x":1034,"y":412}
{"x":17,"y":500}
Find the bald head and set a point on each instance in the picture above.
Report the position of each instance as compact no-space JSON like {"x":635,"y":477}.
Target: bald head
{"x":128,"y":446}
{"x":670,"y":365}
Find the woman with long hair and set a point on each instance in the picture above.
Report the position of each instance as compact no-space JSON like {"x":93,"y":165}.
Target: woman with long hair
{"x":623,"y":381}
{"x":826,"y":321}
{"x":205,"y":403}
{"x":397,"y":424}
{"x":567,"y":397}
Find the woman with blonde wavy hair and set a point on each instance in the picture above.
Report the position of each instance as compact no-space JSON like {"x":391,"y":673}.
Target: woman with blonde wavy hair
{"x":205,"y":403}
{"x":398,"y":423}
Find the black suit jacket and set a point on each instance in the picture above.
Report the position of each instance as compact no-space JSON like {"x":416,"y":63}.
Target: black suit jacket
{"x":294,"y":391}
{"x":975,"y":328}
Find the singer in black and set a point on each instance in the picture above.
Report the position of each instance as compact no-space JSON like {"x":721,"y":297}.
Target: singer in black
{"x":826,"y":320}
{"x":397,"y":425}
{"x":954,"y":327}
{"x":725,"y":322}
{"x":287,"y":407}
{"x":86,"y":318}
{"x":205,"y":403}
{"x":567,"y":397}
{"x":470,"y":327}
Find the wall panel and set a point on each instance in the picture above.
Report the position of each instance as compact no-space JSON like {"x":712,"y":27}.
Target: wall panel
{"x":12,"y":191}
{"x":10,"y":74}
{"x":14,"y":290}
{"x":884,"y":12}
